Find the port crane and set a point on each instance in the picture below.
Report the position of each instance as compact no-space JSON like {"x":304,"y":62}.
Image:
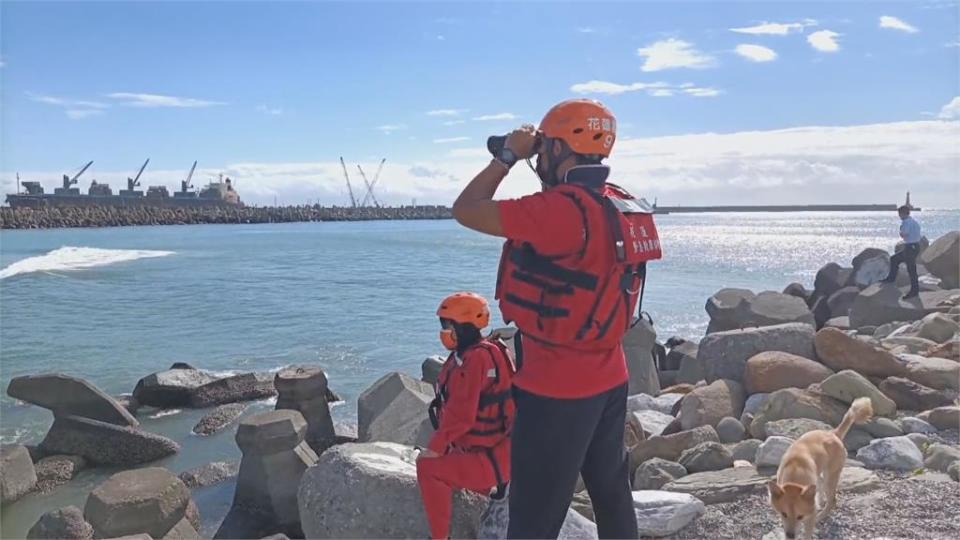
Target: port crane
{"x":353,"y":200}
{"x":371,"y":185}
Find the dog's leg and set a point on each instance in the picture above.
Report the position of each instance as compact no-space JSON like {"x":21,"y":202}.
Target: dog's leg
{"x":809,"y":527}
{"x":831,"y":480}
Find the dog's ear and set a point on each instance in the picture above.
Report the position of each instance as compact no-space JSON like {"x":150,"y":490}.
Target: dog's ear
{"x":809,"y":492}
{"x":775,"y":490}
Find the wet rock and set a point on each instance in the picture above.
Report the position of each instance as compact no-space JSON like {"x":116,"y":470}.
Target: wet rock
{"x":638,"y":345}
{"x":65,"y":395}
{"x":62,"y":524}
{"x":220,"y":418}
{"x":17,"y":474}
{"x":394,"y":409}
{"x":881,"y":303}
{"x":233,"y":389}
{"x":151,"y":501}
{"x":430,"y":369}
{"x":303,"y":389}
{"x":209,"y":474}
{"x":655,"y":472}
{"x":772,"y":370}
{"x":942,"y":259}
{"x":849,"y":385}
{"x":54,"y":471}
{"x":662,"y":513}
{"x":707,"y":456}
{"x":724,"y":355}
{"x":369,"y":490}
{"x":171,"y":388}
{"x":128,"y":402}
{"x":707,"y":405}
{"x":181,"y":365}
{"x":912,"y":396}
{"x":839,"y":352}
{"x":670,"y":447}
{"x":771,"y":451}
{"x":730,"y":430}
{"x":105,"y":444}
{"x":895,"y":453}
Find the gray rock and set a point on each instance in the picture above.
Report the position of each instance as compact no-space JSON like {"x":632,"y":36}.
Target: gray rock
{"x":722,"y":308}
{"x":913,"y":345}
{"x":794,"y":403}
{"x":794,"y":428}
{"x":954,"y":471}
{"x":942,"y":417}
{"x":54,"y":471}
{"x":869,"y":267}
{"x":638,"y":345}
{"x":65,"y":395}
{"x":746,"y":450}
{"x":829,"y":279}
{"x":798,"y":290}
{"x":896,"y":453}
{"x":651,"y":422}
{"x":848,"y":385}
{"x":937,"y":373}
{"x":919,"y":439}
{"x":394,"y":409}
{"x":730,"y":485}
{"x":430,"y":369}
{"x":17,"y":474}
{"x":670,"y":447}
{"x":105,"y":444}
{"x":707,"y":456}
{"x":662,"y":513}
{"x":302,"y":389}
{"x":894,"y":328}
{"x":369,"y":490}
{"x":941,"y":456}
{"x":496,"y":518}
{"x":881,"y":427}
{"x":663,"y":403}
{"x":689,"y":369}
{"x":730,"y":430}
{"x":233,"y":389}
{"x":856,"y":439}
{"x":707,"y":405}
{"x":151,"y":501}
{"x":128,"y":402}
{"x":219,"y":418}
{"x":840,"y":301}
{"x":913,"y":396}
{"x":772,"y":308}
{"x":171,"y":388}
{"x":881,"y":303}
{"x":771,"y":451}
{"x":724,"y":355}
{"x":753,"y":404}
{"x":942,"y":259}
{"x":62,"y":524}
{"x":912,"y":424}
{"x":209,"y":474}
{"x":655,"y":472}
{"x":840,"y":323}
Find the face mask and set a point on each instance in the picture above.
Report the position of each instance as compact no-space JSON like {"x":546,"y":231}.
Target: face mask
{"x":449,"y":339}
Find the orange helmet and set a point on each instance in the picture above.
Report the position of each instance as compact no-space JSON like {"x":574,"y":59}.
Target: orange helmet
{"x":465,"y":307}
{"x":586,"y":125}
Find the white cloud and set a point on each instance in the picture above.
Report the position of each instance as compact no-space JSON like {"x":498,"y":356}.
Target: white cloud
{"x":454,"y":122}
{"x":824,"y":41}
{"x":451,"y":140}
{"x":387,"y":129}
{"x":952,"y":44}
{"x":498,"y":116}
{"x":79,"y":114}
{"x":274,"y":111}
{"x":3,"y":62}
{"x":446,"y":112}
{"x":673,"y":53}
{"x":654,"y":89}
{"x":775,"y":29}
{"x":893,"y":23}
{"x":75,"y":109}
{"x":157,"y":100}
{"x":587,"y":30}
{"x":756,"y":53}
{"x":801,"y":165}
{"x":950,"y":111}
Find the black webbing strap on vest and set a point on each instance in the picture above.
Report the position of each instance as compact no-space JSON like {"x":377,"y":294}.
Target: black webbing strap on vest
{"x":518,"y":349}
{"x":501,"y":490}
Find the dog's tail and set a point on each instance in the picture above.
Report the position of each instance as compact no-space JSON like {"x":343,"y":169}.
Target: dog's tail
{"x":860,"y":411}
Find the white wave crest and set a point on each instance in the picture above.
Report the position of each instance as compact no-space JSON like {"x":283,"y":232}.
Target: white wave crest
{"x":77,"y":258}
{"x":165,"y":412}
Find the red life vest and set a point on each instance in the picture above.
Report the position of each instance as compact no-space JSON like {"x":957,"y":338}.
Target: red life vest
{"x":585,"y":300}
{"x":496,"y":409}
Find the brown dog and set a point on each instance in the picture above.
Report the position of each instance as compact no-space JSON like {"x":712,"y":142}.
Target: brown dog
{"x":813,"y":464}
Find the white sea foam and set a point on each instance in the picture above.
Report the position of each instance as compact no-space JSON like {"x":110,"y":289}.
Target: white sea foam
{"x":70,"y":258}
{"x":165,"y":412}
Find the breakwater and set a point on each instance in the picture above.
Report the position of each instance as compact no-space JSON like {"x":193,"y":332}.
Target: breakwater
{"x":780,"y":208}
{"x":51,"y":218}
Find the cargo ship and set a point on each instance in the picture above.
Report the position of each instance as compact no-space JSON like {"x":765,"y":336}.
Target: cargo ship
{"x":31,"y":194}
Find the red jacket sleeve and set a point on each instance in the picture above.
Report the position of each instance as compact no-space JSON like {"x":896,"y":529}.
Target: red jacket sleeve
{"x":460,"y":411}
{"x":550,"y":222}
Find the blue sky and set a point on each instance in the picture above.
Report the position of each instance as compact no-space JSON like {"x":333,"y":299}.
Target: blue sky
{"x":274,"y":93}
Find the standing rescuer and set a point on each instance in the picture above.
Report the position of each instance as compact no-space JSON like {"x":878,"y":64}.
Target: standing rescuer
{"x":472,"y":413}
{"x":911,"y":235}
{"x":570,"y":277}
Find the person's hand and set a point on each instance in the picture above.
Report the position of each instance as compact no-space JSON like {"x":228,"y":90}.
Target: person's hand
{"x":522,"y":141}
{"x":427,"y":453}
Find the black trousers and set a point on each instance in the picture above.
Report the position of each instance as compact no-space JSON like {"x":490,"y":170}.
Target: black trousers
{"x":552,"y":441}
{"x":906,"y":255}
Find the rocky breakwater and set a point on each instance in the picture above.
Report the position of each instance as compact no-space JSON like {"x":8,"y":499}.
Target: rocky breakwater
{"x":107,"y":216}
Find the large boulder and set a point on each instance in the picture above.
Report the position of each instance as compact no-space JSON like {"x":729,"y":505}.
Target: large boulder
{"x":938,"y":373}
{"x":947,"y":417}
{"x":650,"y":422}
{"x":143,"y":501}
{"x":707,"y":456}
{"x":795,"y":403}
{"x":869,"y":267}
{"x":17,"y":474}
{"x":798,"y":290}
{"x":171,"y":388}
{"x":54,"y":471}
{"x":369,"y":490}
{"x":219,"y":418}
{"x":794,"y":428}
{"x":938,"y":327}
{"x":105,"y":444}
{"x":746,"y":450}
{"x":941,"y":456}
{"x":669,"y":447}
{"x":209,"y":474}
{"x":942,"y":259}
{"x":303,"y":389}
{"x":881,"y":303}
{"x":662,"y":513}
{"x":849,"y":385}
{"x":829,"y":279}
{"x":242,"y":387}
{"x":949,"y":350}
{"x":909,"y":344}
{"x":771,"y":451}
{"x":772,"y":370}
{"x":655,"y":472}
{"x":724,"y":355}
{"x":65,"y":395}
{"x":841,"y":301}
{"x":690,"y":369}
{"x":394,"y":409}
{"x":430,"y":369}
{"x":722,"y":309}
{"x":638,"y":344}
{"x":772,"y":308}
{"x":913,"y":396}
{"x":840,"y":351}
{"x":495,"y":521}
{"x":896,"y":453}
{"x":62,"y":524}
{"x":707,"y":405}
{"x":663,"y":403}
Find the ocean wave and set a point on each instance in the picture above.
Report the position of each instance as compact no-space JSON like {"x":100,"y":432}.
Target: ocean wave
{"x":77,"y":258}
{"x":165,"y":412}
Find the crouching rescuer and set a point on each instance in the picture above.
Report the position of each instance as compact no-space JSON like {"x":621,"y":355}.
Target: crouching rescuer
{"x":472,"y":413}
{"x":571,"y":278}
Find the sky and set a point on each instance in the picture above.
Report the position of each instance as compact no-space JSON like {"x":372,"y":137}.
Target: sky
{"x":716,"y":102}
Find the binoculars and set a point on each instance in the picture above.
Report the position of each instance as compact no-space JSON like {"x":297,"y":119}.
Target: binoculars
{"x":495,"y":144}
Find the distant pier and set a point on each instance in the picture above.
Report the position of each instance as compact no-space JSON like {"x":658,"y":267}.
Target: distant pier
{"x":780,"y":208}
